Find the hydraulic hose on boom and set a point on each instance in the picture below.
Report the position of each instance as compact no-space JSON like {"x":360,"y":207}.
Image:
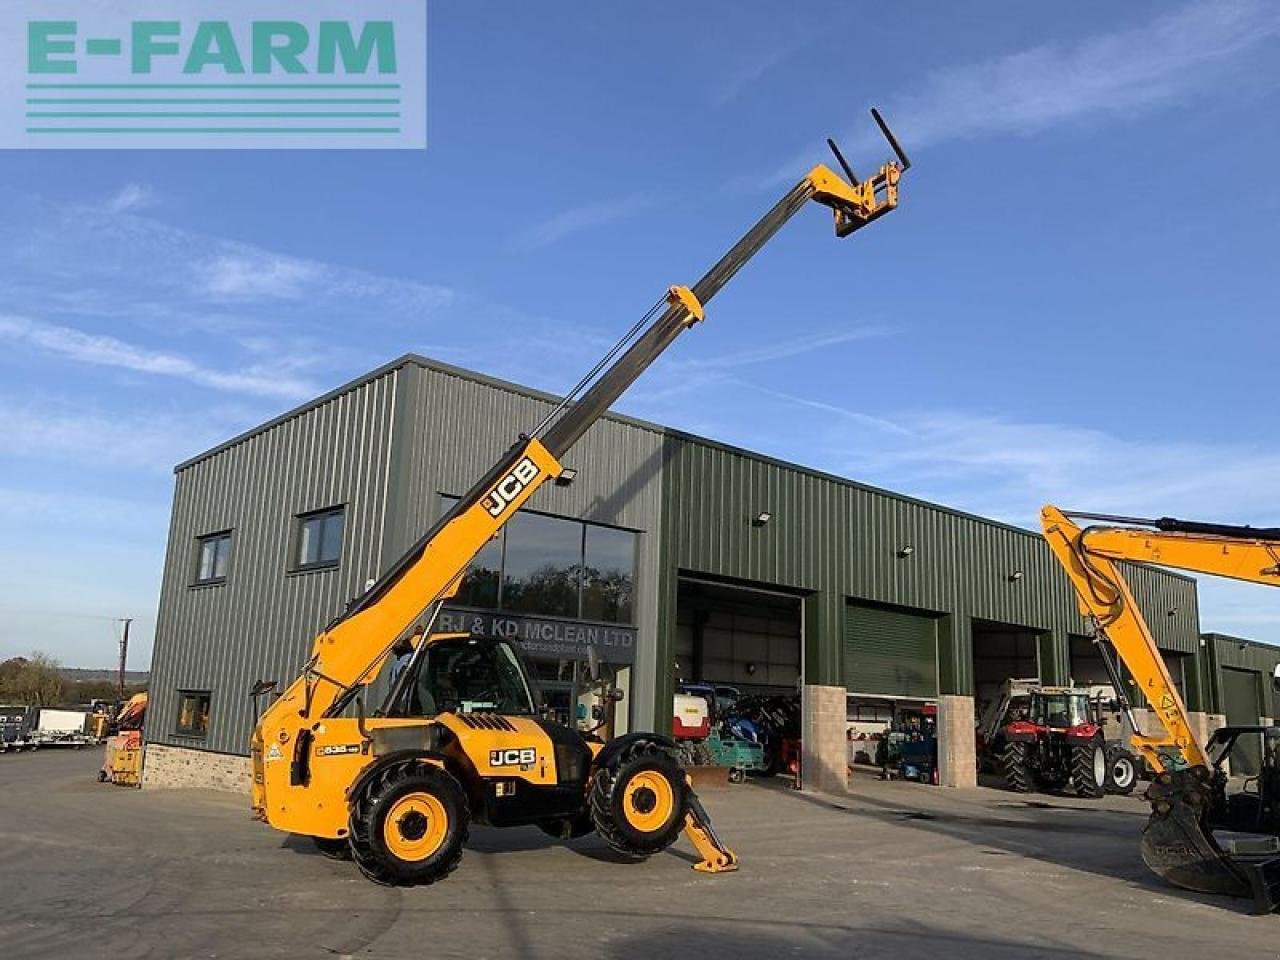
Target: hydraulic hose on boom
{"x":1178,"y":843}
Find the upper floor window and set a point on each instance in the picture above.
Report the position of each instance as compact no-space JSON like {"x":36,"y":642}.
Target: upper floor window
{"x":319,"y":540}
{"x":213,"y":554}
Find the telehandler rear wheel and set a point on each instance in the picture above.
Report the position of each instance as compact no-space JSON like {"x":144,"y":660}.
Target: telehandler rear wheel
{"x":639,"y":800}
{"x":408,"y":825}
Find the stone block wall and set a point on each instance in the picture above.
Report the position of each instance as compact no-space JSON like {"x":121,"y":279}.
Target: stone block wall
{"x":165,"y":767}
{"x":957,"y":746}
{"x":824,"y":764}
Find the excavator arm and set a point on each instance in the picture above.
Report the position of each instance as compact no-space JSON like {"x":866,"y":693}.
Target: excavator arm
{"x":350,"y":651}
{"x":1178,"y":842}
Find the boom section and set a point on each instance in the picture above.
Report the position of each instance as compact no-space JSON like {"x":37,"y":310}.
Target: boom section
{"x":1121,"y":629}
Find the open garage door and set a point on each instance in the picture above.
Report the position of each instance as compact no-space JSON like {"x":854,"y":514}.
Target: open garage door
{"x":745,"y":637}
{"x":890,"y":652}
{"x":745,"y":641}
{"x":1002,"y":651}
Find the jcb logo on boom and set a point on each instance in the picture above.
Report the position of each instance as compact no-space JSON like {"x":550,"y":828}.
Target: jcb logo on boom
{"x":509,"y":487}
{"x":522,"y":757}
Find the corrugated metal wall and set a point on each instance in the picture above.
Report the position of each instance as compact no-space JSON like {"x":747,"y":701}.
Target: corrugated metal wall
{"x":260,"y":622}
{"x":1221,"y":652}
{"x":841,"y":540}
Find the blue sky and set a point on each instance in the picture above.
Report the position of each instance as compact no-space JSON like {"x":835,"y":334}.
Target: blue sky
{"x":1075,"y":302}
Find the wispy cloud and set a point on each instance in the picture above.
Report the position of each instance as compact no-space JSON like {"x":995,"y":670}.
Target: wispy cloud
{"x":105,"y":351}
{"x":1115,"y":74}
{"x":130,"y":198}
{"x":150,"y":441}
{"x":792,"y":347}
{"x":256,"y":275}
{"x":585,"y":217}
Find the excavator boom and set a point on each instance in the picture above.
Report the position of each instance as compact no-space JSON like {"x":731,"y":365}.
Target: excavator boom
{"x":1178,"y":843}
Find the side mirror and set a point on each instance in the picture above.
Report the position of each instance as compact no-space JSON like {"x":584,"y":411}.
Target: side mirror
{"x":614,"y":695}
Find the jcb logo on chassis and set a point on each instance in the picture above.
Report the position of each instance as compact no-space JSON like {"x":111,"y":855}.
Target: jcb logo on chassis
{"x":521,"y":757}
{"x":509,"y":487}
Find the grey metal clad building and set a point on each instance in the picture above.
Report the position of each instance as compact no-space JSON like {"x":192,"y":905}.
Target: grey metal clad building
{"x":675,"y":557}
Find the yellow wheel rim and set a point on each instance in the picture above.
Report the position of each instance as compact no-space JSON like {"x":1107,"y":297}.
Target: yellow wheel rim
{"x":415,"y":826}
{"x":648,"y":801}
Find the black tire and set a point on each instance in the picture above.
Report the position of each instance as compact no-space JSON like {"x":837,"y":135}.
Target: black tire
{"x":384,"y":851}
{"x":334,"y":849}
{"x":1122,"y":771}
{"x":1013,"y":766}
{"x":102,"y":776}
{"x":568,"y":829}
{"x":1089,"y":769}
{"x":633,"y":821}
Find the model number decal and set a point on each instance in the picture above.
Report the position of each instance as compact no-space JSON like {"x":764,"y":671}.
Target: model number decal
{"x":509,"y":487}
{"x":519,"y":757}
{"x":337,"y":749}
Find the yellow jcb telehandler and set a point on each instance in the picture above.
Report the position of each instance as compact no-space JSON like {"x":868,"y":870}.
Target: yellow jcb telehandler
{"x":460,"y":738}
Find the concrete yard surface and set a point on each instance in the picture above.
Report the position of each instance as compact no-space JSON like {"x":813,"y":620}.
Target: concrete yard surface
{"x":893,"y":870}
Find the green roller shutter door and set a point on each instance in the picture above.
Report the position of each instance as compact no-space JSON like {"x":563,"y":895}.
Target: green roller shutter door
{"x":890,"y":652}
{"x":1240,"y":700}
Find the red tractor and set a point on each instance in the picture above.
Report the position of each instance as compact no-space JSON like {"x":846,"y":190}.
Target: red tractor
{"x":1047,"y":738}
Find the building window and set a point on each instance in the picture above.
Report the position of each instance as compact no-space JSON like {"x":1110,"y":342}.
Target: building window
{"x":553,"y":567}
{"x":193,"y":713}
{"x":319,"y":540}
{"x":213,"y":553}
{"x":542,"y":566}
{"x":608,"y":574}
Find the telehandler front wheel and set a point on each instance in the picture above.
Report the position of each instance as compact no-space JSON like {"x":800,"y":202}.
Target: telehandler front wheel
{"x":408,"y":825}
{"x":639,"y":800}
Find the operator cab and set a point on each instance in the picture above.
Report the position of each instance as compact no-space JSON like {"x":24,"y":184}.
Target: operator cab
{"x":461,"y":674}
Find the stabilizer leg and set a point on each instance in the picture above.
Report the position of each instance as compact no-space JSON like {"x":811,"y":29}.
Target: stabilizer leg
{"x":716,"y":857}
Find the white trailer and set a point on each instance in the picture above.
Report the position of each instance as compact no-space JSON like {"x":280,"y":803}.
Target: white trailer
{"x":57,"y":727}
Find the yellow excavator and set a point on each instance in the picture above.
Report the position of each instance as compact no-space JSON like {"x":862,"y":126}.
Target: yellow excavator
{"x":1202,"y":835}
{"x":460,"y":737}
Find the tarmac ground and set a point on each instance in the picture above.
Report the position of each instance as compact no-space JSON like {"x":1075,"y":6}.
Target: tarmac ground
{"x":893,"y":869}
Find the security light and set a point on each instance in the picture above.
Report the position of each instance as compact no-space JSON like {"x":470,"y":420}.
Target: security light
{"x":1015,"y":576}
{"x":1173,"y":612}
{"x":906,"y":550}
{"x":567,"y":476}
{"x":761,"y":518}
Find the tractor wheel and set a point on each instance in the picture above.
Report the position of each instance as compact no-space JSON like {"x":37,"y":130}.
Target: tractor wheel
{"x":1122,"y":771}
{"x":1013,"y":765}
{"x":334,"y":848}
{"x":408,"y":825}
{"x":569,"y":828}
{"x":1089,"y":769}
{"x":638,"y":800}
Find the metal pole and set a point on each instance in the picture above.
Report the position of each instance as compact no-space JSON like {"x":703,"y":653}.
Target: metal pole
{"x":124,"y":652}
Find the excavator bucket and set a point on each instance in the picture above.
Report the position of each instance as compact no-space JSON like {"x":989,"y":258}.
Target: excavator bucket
{"x":1178,"y":844}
